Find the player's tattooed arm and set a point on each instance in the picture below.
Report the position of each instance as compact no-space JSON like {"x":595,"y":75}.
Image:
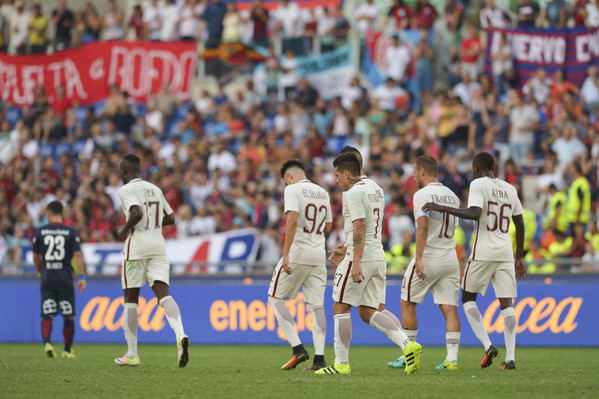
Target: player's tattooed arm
{"x":357,"y":238}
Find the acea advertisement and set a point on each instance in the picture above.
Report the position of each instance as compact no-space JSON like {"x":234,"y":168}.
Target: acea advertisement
{"x":559,"y":312}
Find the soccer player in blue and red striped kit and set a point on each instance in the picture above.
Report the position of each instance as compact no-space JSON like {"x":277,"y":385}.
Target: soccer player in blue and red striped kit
{"x":56,"y":248}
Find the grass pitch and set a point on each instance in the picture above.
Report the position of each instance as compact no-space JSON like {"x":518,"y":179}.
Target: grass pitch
{"x":254,"y":372}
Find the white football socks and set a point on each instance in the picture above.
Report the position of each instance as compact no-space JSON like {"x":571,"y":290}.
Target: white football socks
{"x":509,"y":333}
{"x":343,"y":333}
{"x":319,"y":328}
{"x":412,"y":334}
{"x":386,"y":325}
{"x":285,"y":321}
{"x":394,"y":318}
{"x":130,"y":324}
{"x":452,"y":340}
{"x":173,"y":315}
{"x":476,"y":323}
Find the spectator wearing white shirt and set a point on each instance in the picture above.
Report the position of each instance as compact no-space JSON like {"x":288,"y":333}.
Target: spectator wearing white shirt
{"x":397,"y":58}
{"x":290,"y":24}
{"x":590,"y":90}
{"x":465,"y":88}
{"x":592,"y":14}
{"x":19,"y":29}
{"x":399,"y":223}
{"x":538,"y":87}
{"x":387,"y":94}
{"x":289,"y":78}
{"x":351,"y":94}
{"x":549,"y":176}
{"x":222,"y":159}
{"x":153,"y":21}
{"x":202,"y":223}
{"x":492,"y":16}
{"x":568,"y":146}
{"x":524,"y":120}
{"x":366,"y":15}
{"x":170,"y":20}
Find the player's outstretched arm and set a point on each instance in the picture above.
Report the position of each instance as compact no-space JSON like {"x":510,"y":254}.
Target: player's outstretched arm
{"x":472,"y":213}
{"x":519,"y":265}
{"x":135,"y":215}
{"x":168,"y":219}
{"x":81,"y":284}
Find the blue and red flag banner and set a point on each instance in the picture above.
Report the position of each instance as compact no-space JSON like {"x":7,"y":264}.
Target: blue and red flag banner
{"x":572,"y":50}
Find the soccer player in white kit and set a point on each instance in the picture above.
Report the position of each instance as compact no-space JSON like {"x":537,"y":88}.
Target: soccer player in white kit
{"x":144,"y":257}
{"x":435,"y":266}
{"x":309,"y":218}
{"x":491,"y":203}
{"x":365,"y":261}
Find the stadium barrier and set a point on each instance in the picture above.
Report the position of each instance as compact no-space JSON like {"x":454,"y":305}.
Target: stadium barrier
{"x":551,"y":311}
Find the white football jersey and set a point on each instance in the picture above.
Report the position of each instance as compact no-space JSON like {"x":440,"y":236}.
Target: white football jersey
{"x":145,"y":241}
{"x":365,"y":200}
{"x":441,"y":226}
{"x":499,"y":203}
{"x":313,"y":206}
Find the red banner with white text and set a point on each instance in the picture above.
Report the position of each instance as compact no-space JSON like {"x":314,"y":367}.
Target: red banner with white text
{"x":88,"y":72}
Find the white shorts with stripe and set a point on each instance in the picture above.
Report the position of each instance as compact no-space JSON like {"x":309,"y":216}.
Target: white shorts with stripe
{"x":442,"y":280}
{"x":313,"y":279}
{"x":134,"y":273}
{"x":479,"y":273}
{"x":370,"y":292}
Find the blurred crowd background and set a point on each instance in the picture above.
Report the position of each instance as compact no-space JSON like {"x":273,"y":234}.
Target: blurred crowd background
{"x":217,"y":157}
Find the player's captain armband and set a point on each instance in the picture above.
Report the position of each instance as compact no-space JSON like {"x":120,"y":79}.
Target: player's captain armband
{"x":422,"y":213}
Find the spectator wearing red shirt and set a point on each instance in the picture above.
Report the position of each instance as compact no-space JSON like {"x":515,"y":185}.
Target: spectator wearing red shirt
{"x":425,"y":15}
{"x":259,"y":17}
{"x":61,"y":102}
{"x":470,"y":48}
{"x":580,"y":12}
{"x":401,"y":13}
{"x":136,"y":22}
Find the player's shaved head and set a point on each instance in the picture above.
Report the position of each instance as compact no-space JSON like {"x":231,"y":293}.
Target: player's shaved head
{"x":484,"y":161}
{"x":55,"y":208}
{"x":428,"y":163}
{"x":348,"y":149}
{"x":292,"y":165}
{"x":347,"y":162}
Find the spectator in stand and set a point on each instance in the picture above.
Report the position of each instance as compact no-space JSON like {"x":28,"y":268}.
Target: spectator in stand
{"x":591,"y":13}
{"x":136,"y":22}
{"x":538,"y":87}
{"x":465,"y":89}
{"x":260,"y":18}
{"x":424,"y":67}
{"x":63,"y":19}
{"x":589,"y":92}
{"x":502,"y":66}
{"x":289,"y":78}
{"x":19,"y":28}
{"x":387,"y":95}
{"x":171,"y":24}
{"x":341,"y":25}
{"x":231,"y":24}
{"x":213,"y":15}
{"x":112,"y":23}
{"x":550,"y":176}
{"x":92,"y":23}
{"x":221,"y":159}
{"x":289,"y":23}
{"x":398,"y":59}
{"x":470,"y":50}
{"x":556,"y":13}
{"x":326,"y":30}
{"x":424,"y":16}
{"x":366,"y":15}
{"x":153,"y":22}
{"x":38,"y":25}
{"x":528,"y":11}
{"x":579,"y":13}
{"x":492,"y":16}
{"x":561,"y":86}
{"x":567,"y":146}
{"x":400,"y":13}
{"x":579,"y":197}
{"x":524,"y":120}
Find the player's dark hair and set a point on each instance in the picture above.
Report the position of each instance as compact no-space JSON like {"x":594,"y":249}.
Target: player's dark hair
{"x":347,"y":161}
{"x":55,"y":208}
{"x":348,"y":149}
{"x":428,"y":163}
{"x":133,"y":161}
{"x":292,"y":163}
{"x":484,"y":160}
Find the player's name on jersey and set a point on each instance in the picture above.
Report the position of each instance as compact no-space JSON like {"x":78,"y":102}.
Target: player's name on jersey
{"x":444,"y":199}
{"x":499,"y":193}
{"x":377,"y":196}
{"x":61,"y":232}
{"x":307,"y":193}
{"x":53,"y":265}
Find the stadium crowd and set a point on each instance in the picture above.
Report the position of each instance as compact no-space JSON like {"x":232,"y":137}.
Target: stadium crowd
{"x":217,"y":157}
